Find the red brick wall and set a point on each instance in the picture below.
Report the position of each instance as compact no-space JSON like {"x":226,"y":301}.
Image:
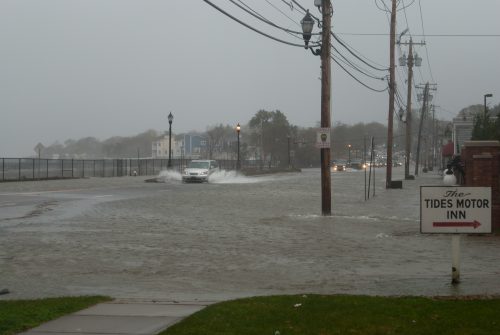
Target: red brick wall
{"x":482,"y":168}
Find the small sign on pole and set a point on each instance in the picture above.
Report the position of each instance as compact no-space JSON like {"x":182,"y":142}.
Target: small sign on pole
{"x":455,"y":210}
{"x":38,"y":148}
{"x":323,"y":138}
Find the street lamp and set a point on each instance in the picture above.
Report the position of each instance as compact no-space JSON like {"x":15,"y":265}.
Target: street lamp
{"x":238,"y":129}
{"x":307,"y":27}
{"x":289,"y":158}
{"x":170,"y":119}
{"x":349,"y":147}
{"x":489,"y":95}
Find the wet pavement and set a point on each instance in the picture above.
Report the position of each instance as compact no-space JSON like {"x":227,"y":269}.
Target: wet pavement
{"x":233,"y":237}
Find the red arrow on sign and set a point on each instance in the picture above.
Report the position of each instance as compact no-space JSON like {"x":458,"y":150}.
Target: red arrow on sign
{"x":474,"y":224}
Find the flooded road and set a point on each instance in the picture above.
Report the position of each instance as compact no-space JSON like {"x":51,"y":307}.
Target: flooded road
{"x":236,"y":236}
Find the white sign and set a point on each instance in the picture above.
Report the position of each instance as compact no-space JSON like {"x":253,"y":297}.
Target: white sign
{"x":323,"y":138}
{"x":452,"y":209}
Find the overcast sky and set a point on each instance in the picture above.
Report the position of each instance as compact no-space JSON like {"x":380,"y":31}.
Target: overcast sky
{"x":102,"y":68}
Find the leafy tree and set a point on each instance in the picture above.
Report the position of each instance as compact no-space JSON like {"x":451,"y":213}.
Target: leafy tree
{"x":486,"y":128}
{"x":269,"y":133}
{"x":218,"y":137}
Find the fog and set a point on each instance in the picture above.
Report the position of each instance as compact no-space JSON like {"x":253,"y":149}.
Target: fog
{"x":71,"y":69}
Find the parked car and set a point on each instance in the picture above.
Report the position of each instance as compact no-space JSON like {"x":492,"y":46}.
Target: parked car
{"x":199,"y":171}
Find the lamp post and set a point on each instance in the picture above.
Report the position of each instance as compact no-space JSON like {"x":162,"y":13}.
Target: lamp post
{"x":325,"y":52}
{"x":238,"y":129}
{"x":489,"y":95}
{"x":170,"y":119}
{"x":349,"y":147}
{"x":289,"y":158}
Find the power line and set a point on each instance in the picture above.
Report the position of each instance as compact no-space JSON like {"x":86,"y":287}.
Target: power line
{"x":359,"y":81}
{"x":263,"y":19}
{"x":279,"y":10}
{"x":426,"y":50}
{"x":352,"y":53}
{"x":419,"y":35}
{"x":254,"y":29}
{"x":355,"y":67}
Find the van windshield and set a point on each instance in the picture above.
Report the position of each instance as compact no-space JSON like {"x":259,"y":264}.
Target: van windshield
{"x":199,"y":165}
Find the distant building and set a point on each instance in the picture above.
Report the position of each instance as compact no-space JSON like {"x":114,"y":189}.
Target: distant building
{"x":194,"y":145}
{"x":159,"y":147}
{"x":186,"y":145}
{"x":462,"y":131}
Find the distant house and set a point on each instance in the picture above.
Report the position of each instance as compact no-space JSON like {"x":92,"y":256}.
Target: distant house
{"x":185,"y":145}
{"x":194,"y":145}
{"x":159,"y":147}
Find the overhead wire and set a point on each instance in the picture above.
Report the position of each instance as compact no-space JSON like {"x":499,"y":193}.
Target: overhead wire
{"x":283,"y":13}
{"x":252,"y":28}
{"x":359,"y":81}
{"x":354,"y":54}
{"x":354,"y":66}
{"x":260,"y":17}
{"x":420,"y":35}
{"x":423,"y":32}
{"x":345,"y":60}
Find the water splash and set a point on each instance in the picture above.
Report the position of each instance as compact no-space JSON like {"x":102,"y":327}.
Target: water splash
{"x":168,"y":175}
{"x":218,"y":177}
{"x":232,"y":177}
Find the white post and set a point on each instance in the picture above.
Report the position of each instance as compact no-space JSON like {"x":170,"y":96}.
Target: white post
{"x":455,"y":254}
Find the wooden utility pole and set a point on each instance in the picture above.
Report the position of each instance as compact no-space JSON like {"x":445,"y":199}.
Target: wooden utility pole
{"x":392,"y":88}
{"x":422,"y":116}
{"x":326,"y":193}
{"x":411,"y":61}
{"x":408,"y":112}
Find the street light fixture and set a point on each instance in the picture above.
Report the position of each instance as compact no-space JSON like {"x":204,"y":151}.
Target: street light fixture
{"x":349,"y":160}
{"x":489,"y":95}
{"x":170,"y":120}
{"x":289,"y":156}
{"x":238,"y":129}
{"x":307,"y":27}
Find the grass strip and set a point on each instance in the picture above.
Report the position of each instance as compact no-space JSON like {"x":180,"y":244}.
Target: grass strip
{"x":20,"y":315}
{"x":343,"y":314}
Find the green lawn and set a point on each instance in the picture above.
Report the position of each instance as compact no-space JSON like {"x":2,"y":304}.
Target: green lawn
{"x":19,"y":315}
{"x":324,"y":315}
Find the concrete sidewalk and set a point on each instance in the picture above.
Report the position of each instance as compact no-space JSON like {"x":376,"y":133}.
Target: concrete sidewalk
{"x":121,"y":317}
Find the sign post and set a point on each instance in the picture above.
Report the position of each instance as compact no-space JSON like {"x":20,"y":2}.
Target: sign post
{"x":455,"y":210}
{"x":38,"y":148}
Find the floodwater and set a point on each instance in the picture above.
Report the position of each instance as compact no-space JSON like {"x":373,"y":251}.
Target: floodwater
{"x":235,"y":236}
